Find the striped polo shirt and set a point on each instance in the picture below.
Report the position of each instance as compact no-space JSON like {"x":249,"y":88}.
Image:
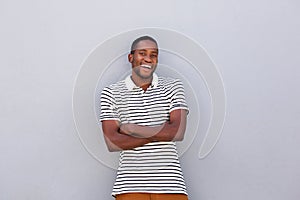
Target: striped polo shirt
{"x":154,"y":167}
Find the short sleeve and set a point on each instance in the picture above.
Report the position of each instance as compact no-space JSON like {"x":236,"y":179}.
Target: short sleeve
{"x":108,"y":106}
{"x":178,"y":97}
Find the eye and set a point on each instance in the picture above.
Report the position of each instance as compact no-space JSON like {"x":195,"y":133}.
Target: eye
{"x":153,"y":55}
{"x":142,"y":53}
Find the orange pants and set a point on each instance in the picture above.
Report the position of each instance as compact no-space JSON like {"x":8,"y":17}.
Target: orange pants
{"x":151,"y":196}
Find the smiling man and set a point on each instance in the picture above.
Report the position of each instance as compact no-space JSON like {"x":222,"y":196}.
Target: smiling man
{"x":142,"y":117}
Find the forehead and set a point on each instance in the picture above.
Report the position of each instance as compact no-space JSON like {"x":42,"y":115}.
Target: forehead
{"x":145,"y":44}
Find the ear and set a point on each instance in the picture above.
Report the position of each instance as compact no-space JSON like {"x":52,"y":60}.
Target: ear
{"x":130,"y":58}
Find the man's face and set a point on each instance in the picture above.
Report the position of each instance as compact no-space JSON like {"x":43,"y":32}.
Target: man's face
{"x":144,"y":59}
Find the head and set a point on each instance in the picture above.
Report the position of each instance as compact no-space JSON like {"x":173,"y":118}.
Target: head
{"x":143,"y":57}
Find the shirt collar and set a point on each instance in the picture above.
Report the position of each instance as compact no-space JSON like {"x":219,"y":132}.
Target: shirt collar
{"x":131,"y":85}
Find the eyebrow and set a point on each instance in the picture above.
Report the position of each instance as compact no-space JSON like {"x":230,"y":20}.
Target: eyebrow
{"x":155,"y":50}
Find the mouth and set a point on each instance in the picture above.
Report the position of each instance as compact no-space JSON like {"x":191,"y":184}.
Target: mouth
{"x":146,"y":66}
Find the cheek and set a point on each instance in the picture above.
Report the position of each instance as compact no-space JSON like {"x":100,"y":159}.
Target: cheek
{"x":136,"y":59}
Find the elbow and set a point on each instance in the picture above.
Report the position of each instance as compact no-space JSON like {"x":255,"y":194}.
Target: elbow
{"x":111,"y":146}
{"x":179,"y":134}
{"x":178,"y":137}
{"x":111,"y":149}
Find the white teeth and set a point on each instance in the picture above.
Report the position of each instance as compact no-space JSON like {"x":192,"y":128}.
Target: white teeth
{"x":147,"y":66}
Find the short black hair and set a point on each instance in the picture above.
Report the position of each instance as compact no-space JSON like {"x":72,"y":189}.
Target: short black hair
{"x":136,"y":41}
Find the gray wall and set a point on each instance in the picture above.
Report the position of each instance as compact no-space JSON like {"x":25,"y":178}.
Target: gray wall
{"x":255,"y":45}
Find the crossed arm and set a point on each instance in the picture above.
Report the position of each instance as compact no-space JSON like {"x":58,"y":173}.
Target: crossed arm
{"x":128,"y":136}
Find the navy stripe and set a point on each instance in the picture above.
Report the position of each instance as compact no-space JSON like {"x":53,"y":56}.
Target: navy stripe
{"x":153,"y":167}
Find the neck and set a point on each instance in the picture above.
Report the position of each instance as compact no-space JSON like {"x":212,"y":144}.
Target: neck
{"x":141,"y":82}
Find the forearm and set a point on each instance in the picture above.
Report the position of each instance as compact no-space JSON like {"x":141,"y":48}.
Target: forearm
{"x":172,"y":130}
{"x":164,"y":132}
{"x":115,"y":141}
{"x":168,"y":132}
{"x":120,"y":142}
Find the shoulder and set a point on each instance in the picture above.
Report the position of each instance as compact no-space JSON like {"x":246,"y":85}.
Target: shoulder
{"x":169,"y":81}
{"x":120,"y":85}
{"x":113,"y":90}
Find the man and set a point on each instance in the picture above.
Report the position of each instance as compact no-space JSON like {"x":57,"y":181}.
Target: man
{"x":142,"y":117}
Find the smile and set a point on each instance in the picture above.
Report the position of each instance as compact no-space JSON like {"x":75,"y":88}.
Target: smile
{"x":146,"y":66}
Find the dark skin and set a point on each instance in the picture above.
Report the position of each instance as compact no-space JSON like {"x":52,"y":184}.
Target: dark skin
{"x":116,"y":140}
{"x":128,"y":136}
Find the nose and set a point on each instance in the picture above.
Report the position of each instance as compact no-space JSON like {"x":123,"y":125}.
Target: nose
{"x":147,"y":58}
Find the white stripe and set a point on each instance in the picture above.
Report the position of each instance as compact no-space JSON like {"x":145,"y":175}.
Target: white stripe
{"x":154,"y":166}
